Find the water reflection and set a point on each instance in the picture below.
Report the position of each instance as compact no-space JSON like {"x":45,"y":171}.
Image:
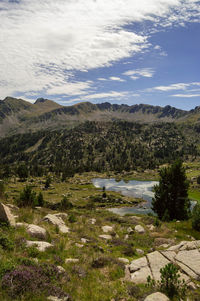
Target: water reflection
{"x":138,"y":189}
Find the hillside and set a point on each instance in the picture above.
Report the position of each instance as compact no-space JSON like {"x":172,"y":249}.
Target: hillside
{"x":19,"y":116}
{"x":101,"y":146}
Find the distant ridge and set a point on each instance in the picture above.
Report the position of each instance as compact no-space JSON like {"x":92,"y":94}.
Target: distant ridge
{"x":20,"y":116}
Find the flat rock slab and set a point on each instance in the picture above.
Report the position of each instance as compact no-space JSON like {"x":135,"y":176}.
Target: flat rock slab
{"x":157,"y":297}
{"x":191,"y":259}
{"x":139,"y":270}
{"x":40,"y":245}
{"x":156,"y":261}
{"x":6,"y":216}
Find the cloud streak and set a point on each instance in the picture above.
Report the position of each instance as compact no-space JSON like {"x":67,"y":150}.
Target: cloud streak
{"x":44,"y":42}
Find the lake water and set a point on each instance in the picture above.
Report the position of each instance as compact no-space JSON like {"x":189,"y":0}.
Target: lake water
{"x":137,"y":189}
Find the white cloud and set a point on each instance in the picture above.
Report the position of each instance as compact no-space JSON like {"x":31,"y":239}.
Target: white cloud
{"x":186,"y":95}
{"x":44,"y":42}
{"x":138,"y":73}
{"x":177,"y":86}
{"x":71,"y":89}
{"x":115,"y":78}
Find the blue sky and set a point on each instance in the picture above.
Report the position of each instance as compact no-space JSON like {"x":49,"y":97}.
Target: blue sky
{"x":122,"y":51}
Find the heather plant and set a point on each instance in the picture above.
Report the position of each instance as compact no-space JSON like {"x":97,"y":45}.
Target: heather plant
{"x":41,"y":279}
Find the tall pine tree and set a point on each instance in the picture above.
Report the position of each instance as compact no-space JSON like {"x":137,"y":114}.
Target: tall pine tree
{"x":171,"y":194}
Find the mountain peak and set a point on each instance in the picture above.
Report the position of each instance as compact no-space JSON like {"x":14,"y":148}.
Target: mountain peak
{"x":41,"y":100}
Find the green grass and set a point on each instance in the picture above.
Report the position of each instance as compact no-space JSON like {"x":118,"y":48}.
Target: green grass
{"x":194,"y":195}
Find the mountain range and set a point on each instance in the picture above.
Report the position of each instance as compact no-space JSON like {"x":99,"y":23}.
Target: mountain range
{"x":20,"y":116}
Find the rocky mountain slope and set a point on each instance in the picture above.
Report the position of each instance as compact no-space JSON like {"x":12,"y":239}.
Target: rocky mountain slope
{"x":20,"y":116}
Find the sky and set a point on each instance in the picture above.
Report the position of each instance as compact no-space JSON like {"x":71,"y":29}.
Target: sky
{"x":120,"y":51}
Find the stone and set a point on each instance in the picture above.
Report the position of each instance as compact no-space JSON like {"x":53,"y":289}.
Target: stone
{"x":157,"y":297}
{"x":19,"y":225}
{"x":61,"y":270}
{"x":84,"y":240}
{"x":106,"y":237}
{"x":130,"y":230}
{"x":151,"y":227}
{"x":79,"y":245}
{"x":107,"y":229}
{"x":156,"y":261}
{"x":123,"y":260}
{"x":6,"y":216}
{"x":40,"y":245}
{"x":36,"y":231}
{"x":92,"y":221}
{"x":126,"y":237}
{"x":139,"y":229}
{"x":61,"y":214}
{"x":71,"y":260}
{"x":140,"y":251}
{"x":57,"y":221}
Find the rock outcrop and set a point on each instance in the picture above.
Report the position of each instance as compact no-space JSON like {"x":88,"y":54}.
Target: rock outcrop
{"x":6,"y":216}
{"x":56,"y":220}
{"x":185,"y":255}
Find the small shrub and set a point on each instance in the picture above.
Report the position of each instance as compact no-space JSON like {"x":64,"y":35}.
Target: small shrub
{"x":40,"y":200}
{"x":100,"y":262}
{"x":129,"y":251}
{"x":65,"y":204}
{"x":6,"y":266}
{"x":169,"y":283}
{"x":6,"y":243}
{"x":72,"y":218}
{"x":47,"y":182}
{"x":198,"y":180}
{"x":157,"y":223}
{"x":196,"y":217}
{"x":27,"y":198}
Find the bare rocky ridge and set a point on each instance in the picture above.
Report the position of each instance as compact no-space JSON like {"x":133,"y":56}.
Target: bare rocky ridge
{"x":19,"y":116}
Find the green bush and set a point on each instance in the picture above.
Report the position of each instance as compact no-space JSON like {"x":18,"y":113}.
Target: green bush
{"x":65,"y":204}
{"x":169,"y":283}
{"x":6,"y":243}
{"x":27,"y":197}
{"x":198,"y":180}
{"x":196,"y":217}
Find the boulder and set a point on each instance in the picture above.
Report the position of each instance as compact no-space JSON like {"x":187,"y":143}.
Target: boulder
{"x":107,"y":229}
{"x":6,"y":216}
{"x":157,"y":297}
{"x":40,"y":245}
{"x":56,"y":220}
{"x":139,"y":229}
{"x":36,"y":231}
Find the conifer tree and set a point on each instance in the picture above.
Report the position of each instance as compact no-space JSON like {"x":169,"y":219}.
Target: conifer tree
{"x":171,"y":194}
